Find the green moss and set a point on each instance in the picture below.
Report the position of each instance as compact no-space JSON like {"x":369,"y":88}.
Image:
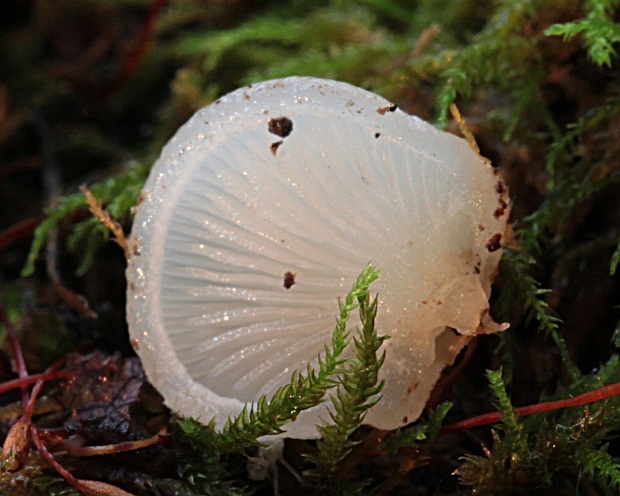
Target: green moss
{"x":599,"y":31}
{"x":500,"y":62}
{"x":358,"y":390}
{"x":357,"y":385}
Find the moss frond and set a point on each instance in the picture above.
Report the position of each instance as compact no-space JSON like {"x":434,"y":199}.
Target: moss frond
{"x":216,"y":46}
{"x":578,"y":170}
{"x":421,"y":435}
{"x":615,"y":260}
{"x":67,"y":206}
{"x":500,"y":55}
{"x":118,"y":193}
{"x":505,"y":464}
{"x":571,"y":185}
{"x":513,"y":428}
{"x":205,"y":471}
{"x":536,"y":450}
{"x":266,"y":417}
{"x":600,"y":462}
{"x":348,"y":41}
{"x":579,"y":436}
{"x":515,"y":270}
{"x":600,"y":32}
{"x":359,"y":389}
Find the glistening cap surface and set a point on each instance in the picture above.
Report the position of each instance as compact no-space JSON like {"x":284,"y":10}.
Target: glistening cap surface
{"x":261,"y":212}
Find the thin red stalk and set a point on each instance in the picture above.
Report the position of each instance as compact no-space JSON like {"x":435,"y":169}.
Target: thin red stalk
{"x":19,"y":165}
{"x":547,"y":406}
{"x":87,"y":487}
{"x":148,"y":28}
{"x":31,"y":379}
{"x":21,"y":230}
{"x":68,"y":476}
{"x":20,"y":363}
{"x":39,"y":385}
{"x":71,"y":298}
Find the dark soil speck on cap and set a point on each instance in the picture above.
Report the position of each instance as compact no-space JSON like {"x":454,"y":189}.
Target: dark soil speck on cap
{"x":289,"y":279}
{"x":389,"y":108}
{"x":501,"y":209}
{"x":280,"y":126}
{"x":494,"y":243}
{"x":274,"y":147}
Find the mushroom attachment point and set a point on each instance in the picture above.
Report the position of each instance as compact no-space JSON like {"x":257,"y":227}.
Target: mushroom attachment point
{"x":354,"y":179}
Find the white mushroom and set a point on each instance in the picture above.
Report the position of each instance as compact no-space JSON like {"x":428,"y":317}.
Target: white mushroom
{"x":261,"y":212}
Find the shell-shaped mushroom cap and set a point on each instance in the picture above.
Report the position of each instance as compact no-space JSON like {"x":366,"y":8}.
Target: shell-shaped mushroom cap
{"x":261,"y":212}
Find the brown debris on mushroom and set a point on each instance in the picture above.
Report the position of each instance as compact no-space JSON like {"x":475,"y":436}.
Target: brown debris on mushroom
{"x":289,"y":279}
{"x":280,"y":126}
{"x":274,"y":147}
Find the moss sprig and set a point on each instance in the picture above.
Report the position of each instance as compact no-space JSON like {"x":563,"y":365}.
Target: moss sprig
{"x":421,"y":435}
{"x":513,"y":427}
{"x":350,"y":41}
{"x":598,"y":29}
{"x":575,"y":178}
{"x":510,"y":451}
{"x":358,"y":390}
{"x":515,"y":269}
{"x":570,"y":183}
{"x":615,"y":260}
{"x":563,"y":150}
{"x":118,"y":193}
{"x":500,"y":55}
{"x":539,"y":450}
{"x":266,"y":417}
{"x":595,"y":462}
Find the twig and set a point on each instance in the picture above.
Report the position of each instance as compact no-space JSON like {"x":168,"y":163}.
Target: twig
{"x":20,"y":230}
{"x":32,"y":379}
{"x":33,"y":163}
{"x":18,"y":356}
{"x":118,"y":447}
{"x":51,"y":370}
{"x":104,"y":217}
{"x":71,"y":298}
{"x":86,"y":487}
{"x":469,"y":136}
{"x":426,"y":36}
{"x":17,"y":445}
{"x":52,"y":182}
{"x":547,"y":406}
{"x":136,"y":55}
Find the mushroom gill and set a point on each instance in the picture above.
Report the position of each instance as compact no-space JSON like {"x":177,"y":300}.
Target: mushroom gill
{"x":261,"y":212}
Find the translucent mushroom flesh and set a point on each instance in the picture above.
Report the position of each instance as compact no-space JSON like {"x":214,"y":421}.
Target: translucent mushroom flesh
{"x":261,"y":212}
